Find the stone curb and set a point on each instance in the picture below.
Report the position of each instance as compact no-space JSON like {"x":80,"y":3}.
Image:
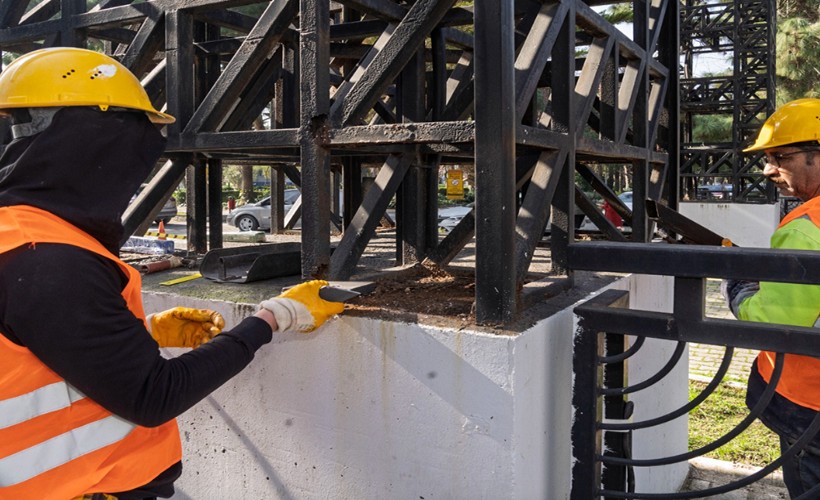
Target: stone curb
{"x":707,"y":467}
{"x":706,"y":380}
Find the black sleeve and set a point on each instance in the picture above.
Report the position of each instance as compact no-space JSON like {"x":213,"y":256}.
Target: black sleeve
{"x":65,"y":305}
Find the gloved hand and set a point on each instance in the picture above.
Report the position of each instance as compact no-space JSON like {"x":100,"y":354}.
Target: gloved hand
{"x":736,"y":291}
{"x":300,"y":309}
{"x":184,"y":326}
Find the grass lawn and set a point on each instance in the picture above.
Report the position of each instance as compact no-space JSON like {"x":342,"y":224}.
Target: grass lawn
{"x":719,"y":414}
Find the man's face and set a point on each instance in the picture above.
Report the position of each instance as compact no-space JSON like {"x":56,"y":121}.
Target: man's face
{"x":795,"y":171}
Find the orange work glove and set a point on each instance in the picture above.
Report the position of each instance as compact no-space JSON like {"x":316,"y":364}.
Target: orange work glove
{"x":300,"y":309}
{"x":184,"y":326}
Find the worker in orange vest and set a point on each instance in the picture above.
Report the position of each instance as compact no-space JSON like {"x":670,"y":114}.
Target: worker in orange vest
{"x":87,"y":403}
{"x":790,"y":138}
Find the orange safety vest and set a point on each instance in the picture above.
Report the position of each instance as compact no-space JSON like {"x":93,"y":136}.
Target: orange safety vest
{"x":55,"y":443}
{"x":797,"y":369}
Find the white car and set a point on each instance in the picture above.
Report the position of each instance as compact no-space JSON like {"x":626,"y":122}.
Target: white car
{"x":449,"y":217}
{"x":254,"y":216}
{"x":626,"y":198}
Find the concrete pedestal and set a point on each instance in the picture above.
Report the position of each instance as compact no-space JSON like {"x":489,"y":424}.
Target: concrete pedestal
{"x":370,"y":409}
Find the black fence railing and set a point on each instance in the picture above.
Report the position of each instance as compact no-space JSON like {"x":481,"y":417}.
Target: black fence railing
{"x":602,"y":429}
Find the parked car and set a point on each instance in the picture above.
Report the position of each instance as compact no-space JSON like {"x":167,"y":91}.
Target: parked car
{"x":449,"y":217}
{"x":168,"y":211}
{"x":716,"y":191}
{"x":254,"y":216}
{"x":447,"y":225}
{"x":626,"y":198}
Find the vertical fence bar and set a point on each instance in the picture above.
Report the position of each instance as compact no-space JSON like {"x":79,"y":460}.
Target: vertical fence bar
{"x":616,"y":407}
{"x":586,"y":438}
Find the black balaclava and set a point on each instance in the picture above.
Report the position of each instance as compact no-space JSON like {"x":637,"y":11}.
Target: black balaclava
{"x":84,"y":167}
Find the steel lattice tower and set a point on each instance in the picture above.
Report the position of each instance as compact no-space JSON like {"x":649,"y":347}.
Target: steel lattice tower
{"x":744,"y":32}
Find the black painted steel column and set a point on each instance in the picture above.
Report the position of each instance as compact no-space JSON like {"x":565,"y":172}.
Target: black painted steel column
{"x":411,"y":244}
{"x":562,"y":228}
{"x":640,"y":123}
{"x":196,"y":207}
{"x":277,"y":196}
{"x":495,"y":161}
{"x":70,"y":37}
{"x":669,"y":55}
{"x":214,"y":203}
{"x":179,"y":52}
{"x":314,"y":60}
{"x":208,"y":69}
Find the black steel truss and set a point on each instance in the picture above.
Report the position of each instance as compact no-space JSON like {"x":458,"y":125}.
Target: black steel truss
{"x":743,"y":32}
{"x":310,"y":87}
{"x":530,"y":92}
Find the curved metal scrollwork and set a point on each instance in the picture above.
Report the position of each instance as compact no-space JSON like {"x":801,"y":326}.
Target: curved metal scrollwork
{"x":599,"y":363}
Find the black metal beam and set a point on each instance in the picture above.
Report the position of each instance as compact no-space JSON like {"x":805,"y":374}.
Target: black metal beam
{"x":413,"y":197}
{"x":496,"y":299}
{"x":563,"y":121}
{"x":314,"y":59}
{"x":535,"y":208}
{"x":148,"y":41}
{"x":11,"y":11}
{"x":353,"y":101}
{"x":244,"y":65}
{"x":793,"y":266}
{"x":740,"y":334}
{"x":535,"y":52}
{"x":363,"y":226}
{"x":140,"y":214}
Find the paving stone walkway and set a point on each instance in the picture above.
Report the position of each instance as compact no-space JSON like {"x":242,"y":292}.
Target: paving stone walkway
{"x":704,"y":359}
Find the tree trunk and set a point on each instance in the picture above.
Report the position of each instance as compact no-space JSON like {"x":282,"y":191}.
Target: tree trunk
{"x":246,"y":193}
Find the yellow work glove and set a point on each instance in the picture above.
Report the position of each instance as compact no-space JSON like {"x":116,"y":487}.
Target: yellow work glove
{"x":300,"y":309}
{"x":184,"y":326}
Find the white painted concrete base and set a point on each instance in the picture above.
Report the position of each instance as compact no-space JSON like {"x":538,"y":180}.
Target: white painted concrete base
{"x":745,"y":224}
{"x":367,"y":409}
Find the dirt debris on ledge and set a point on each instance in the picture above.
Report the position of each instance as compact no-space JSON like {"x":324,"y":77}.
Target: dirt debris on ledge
{"x":446,"y":298}
{"x":443,"y":298}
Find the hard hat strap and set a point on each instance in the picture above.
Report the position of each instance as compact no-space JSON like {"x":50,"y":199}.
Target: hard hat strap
{"x":38,"y":119}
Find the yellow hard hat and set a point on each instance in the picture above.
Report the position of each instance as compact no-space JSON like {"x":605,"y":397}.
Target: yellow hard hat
{"x":66,"y":76}
{"x":794,"y":122}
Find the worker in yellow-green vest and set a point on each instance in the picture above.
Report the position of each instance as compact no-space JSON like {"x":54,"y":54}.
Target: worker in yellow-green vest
{"x":87,"y":403}
{"x":790,"y":139}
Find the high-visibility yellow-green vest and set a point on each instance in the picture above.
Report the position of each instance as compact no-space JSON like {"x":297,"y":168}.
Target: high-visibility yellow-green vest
{"x":791,"y":304}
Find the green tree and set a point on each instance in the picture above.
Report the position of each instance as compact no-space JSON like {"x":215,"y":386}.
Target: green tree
{"x":798,"y":59}
{"x":711,"y":129}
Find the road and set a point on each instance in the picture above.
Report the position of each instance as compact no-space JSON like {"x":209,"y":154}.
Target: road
{"x":177,"y":228}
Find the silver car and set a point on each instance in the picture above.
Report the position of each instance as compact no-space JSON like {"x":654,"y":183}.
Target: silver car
{"x":254,"y":216}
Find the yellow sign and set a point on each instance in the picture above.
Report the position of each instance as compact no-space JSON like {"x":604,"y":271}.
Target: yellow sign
{"x":455,"y":185}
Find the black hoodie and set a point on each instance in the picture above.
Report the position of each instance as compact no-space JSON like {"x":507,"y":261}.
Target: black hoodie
{"x":64,"y":303}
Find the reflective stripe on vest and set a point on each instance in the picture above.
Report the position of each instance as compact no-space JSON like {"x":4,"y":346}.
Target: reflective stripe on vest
{"x":44,"y":400}
{"x":61,"y":449}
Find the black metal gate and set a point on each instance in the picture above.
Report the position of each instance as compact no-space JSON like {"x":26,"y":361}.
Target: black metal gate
{"x":601,"y":388}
